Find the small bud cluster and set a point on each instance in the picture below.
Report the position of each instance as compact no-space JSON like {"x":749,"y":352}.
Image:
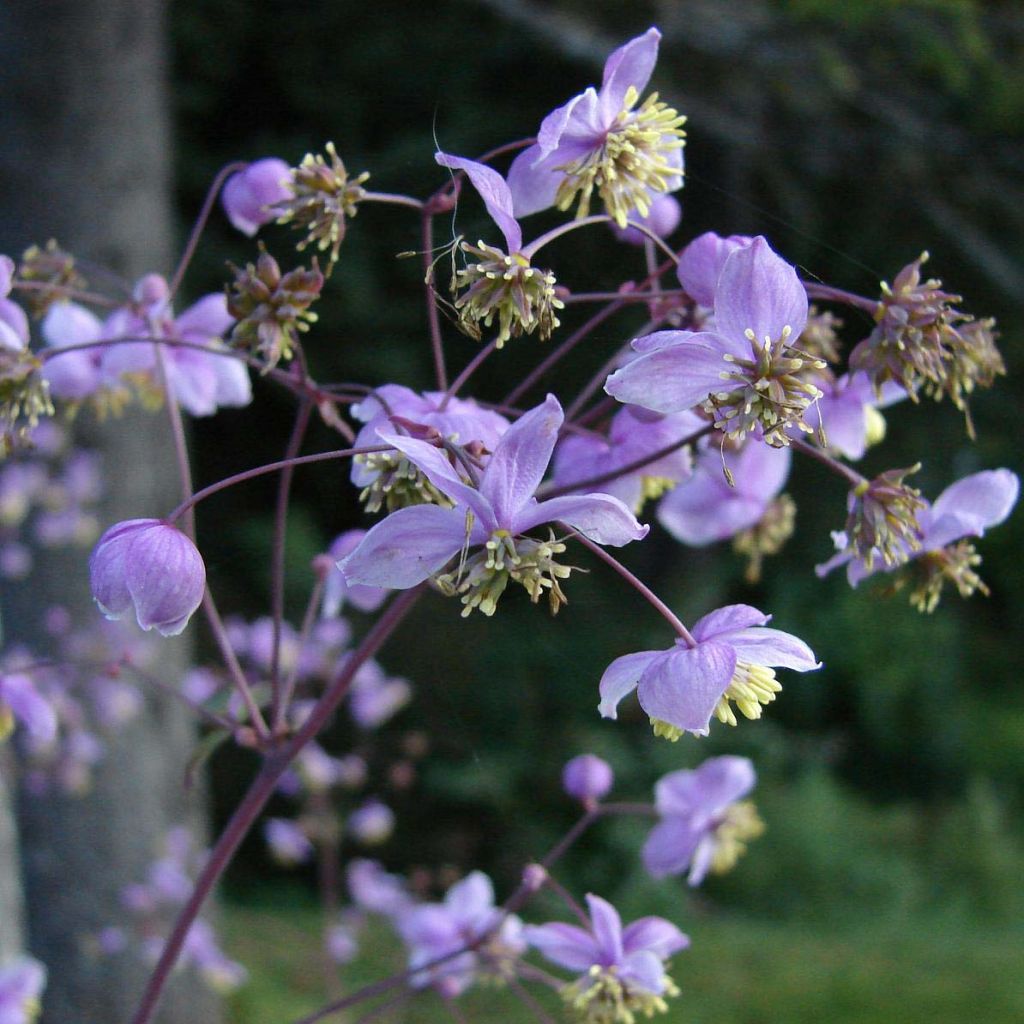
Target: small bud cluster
{"x":54,"y":270}
{"x":882,"y":522}
{"x":498,"y":285}
{"x":323,"y":196}
{"x":272,"y":308}
{"x":925,"y":343}
{"x":24,"y":397}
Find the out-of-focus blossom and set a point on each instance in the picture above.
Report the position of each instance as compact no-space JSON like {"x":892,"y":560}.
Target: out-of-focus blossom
{"x":341,"y":943}
{"x":371,"y":823}
{"x":22,"y":703}
{"x":337,"y":593}
{"x":374,"y":697}
{"x":662,"y":219}
{"x":288,"y":843}
{"x":587,"y":778}
{"x":681,"y":688}
{"x":376,"y":891}
{"x":622,"y":970}
{"x":705,"y":824}
{"x":22,"y":981}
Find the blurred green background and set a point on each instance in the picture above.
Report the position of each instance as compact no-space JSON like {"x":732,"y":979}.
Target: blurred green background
{"x":853,"y":135}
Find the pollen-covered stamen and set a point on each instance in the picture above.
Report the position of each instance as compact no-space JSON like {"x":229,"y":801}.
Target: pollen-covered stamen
{"x":929,"y":574}
{"x":505,"y":286}
{"x":24,"y":396}
{"x":667,"y":731}
{"x":772,"y":390}
{"x":481,"y":579}
{"x":631,"y":163}
{"x":601,"y":996}
{"x":398,"y":483}
{"x":882,"y":522}
{"x":739,"y":824}
{"x":323,"y":196}
{"x":751,"y":687}
{"x":767,"y":536}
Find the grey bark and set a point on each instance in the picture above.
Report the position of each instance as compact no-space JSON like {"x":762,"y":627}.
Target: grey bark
{"x":85,"y":158}
{"x":10,"y":876}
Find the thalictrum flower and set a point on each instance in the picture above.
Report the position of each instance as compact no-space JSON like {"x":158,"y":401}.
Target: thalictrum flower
{"x":587,"y":778}
{"x":22,"y":704}
{"x":701,"y":262}
{"x":433,"y":930}
{"x":249,"y":195}
{"x":623,"y":969}
{"x":288,"y":843}
{"x":415,"y":543}
{"x":151,"y":567}
{"x":600,"y":141}
{"x":662,"y":219}
{"x":337,"y":593}
{"x":745,"y":371}
{"x":681,"y":688}
{"x":704,"y":821}
{"x":21,"y":985}
{"x":942,"y":555}
{"x":498,"y":283}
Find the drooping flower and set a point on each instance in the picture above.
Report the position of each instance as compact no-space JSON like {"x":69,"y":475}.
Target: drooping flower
{"x":498,"y":283}
{"x":415,"y":543}
{"x":602,"y":142}
{"x":942,"y":554}
{"x":622,"y":969}
{"x":22,"y":981}
{"x":705,"y":823}
{"x":249,"y":196}
{"x":151,"y":567}
{"x":634,"y":435}
{"x":587,"y":778}
{"x":468,"y":913}
{"x":732,"y":662}
{"x":746,"y":371}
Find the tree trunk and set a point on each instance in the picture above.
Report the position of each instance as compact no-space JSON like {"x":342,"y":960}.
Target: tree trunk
{"x":85,"y":158}
{"x":10,"y":880}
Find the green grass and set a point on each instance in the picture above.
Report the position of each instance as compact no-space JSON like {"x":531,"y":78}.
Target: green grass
{"x":739,"y":971}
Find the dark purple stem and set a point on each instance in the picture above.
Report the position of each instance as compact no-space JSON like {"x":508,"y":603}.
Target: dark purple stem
{"x":259,"y":793}
{"x":433,"y":317}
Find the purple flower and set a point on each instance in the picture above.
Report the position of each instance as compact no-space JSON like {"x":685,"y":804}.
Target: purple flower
{"x":374,"y":890}
{"x":705,"y":508}
{"x":964,"y":509}
{"x":847,"y":413}
{"x":287,"y":841}
{"x":249,"y":195}
{"x":201,"y":382}
{"x":703,"y":825}
{"x":745,"y":371}
{"x":414,"y":543}
{"x":662,"y":219}
{"x":601,"y":141}
{"x":13,"y":321}
{"x":701,"y":262}
{"x":587,"y":778}
{"x":681,"y":688}
{"x":635,"y":434}
{"x":336,"y":591}
{"x":78,"y":374}
{"x":201,"y":948}
{"x":433,"y":930}
{"x":21,"y":986}
{"x":151,"y":566}
{"x":622,"y":970}
{"x":22,"y":703}
{"x":374,"y":696}
{"x":340,"y":943}
{"x":496,"y":283}
{"x":371,"y":823}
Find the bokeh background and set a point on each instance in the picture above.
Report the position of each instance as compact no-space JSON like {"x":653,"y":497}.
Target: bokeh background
{"x":854,"y":135}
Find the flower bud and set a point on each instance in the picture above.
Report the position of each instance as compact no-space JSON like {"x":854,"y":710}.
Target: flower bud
{"x":152,"y":567}
{"x":587,"y":778}
{"x":249,"y":195}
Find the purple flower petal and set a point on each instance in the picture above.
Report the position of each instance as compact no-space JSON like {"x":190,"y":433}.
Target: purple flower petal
{"x":773,"y":647}
{"x":727,"y":619}
{"x":207,"y":318}
{"x":406,"y":547}
{"x":493,"y":191}
{"x":564,"y":944}
{"x":760,"y":291}
{"x":970,"y":506}
{"x":701,"y":262}
{"x":621,"y":677}
{"x":471,"y":901}
{"x":629,"y":65}
{"x":702,"y":791}
{"x":601,"y":517}
{"x":607,"y":927}
{"x":655,"y":934}
{"x":29,"y":707}
{"x":683,"y":686}
{"x":520,"y":459}
{"x":644,"y":970}
{"x":671,"y":379}
{"x":532,"y":184}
